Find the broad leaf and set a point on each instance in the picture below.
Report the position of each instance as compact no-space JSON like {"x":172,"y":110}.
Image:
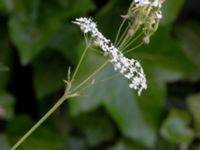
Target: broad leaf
{"x":50,"y":69}
{"x":6,"y":105}
{"x":193,"y":102}
{"x":175,"y":128}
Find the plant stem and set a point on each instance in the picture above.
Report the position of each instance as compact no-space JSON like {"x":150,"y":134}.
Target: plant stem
{"x":119,"y":30}
{"x":79,"y":63}
{"x":60,"y":101}
{"x":88,"y":78}
{"x":127,"y":51}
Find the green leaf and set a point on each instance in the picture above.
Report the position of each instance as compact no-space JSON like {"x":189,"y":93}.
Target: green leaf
{"x":31,"y":29}
{"x":3,"y":67}
{"x":96,"y":127}
{"x":41,"y":139}
{"x":188,"y":35}
{"x":126,"y":144}
{"x":171,"y":10}
{"x":76,"y":143}
{"x":122,"y":107}
{"x":175,"y":128}
{"x":6,"y":105}
{"x":49,"y":71}
{"x":119,"y":101}
{"x":63,"y":42}
{"x":193,"y":102}
{"x":151,"y":102}
{"x":4,"y":142}
{"x":164,"y":56}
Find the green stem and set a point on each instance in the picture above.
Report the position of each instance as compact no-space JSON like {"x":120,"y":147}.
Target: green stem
{"x":134,"y":48}
{"x":79,"y":63}
{"x":131,"y":42}
{"x":122,"y":36}
{"x":91,"y":76}
{"x":119,"y":30}
{"x":60,"y":101}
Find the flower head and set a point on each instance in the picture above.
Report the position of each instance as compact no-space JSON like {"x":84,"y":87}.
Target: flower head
{"x":130,"y":68}
{"x":145,"y":15}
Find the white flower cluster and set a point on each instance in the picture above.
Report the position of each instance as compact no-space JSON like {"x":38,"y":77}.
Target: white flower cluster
{"x":154,"y":3}
{"x":130,"y":68}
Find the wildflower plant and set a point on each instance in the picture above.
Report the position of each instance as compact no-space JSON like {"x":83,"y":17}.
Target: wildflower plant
{"x":139,"y":24}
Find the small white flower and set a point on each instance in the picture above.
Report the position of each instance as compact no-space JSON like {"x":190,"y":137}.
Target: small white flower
{"x":130,"y":68}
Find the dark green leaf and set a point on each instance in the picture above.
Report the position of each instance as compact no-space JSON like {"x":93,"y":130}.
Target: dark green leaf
{"x":193,"y":102}
{"x":41,"y":139}
{"x":164,"y":55}
{"x":175,"y":128}
{"x":50,"y":69}
{"x":96,"y":127}
{"x":4,"y":143}
{"x":31,"y":29}
{"x":127,"y":145}
{"x":171,"y":10}
{"x":188,"y":34}
{"x":6,"y":105}
{"x":3,"y":67}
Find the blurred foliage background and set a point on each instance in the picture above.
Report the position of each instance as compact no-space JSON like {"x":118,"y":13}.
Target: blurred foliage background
{"x":38,"y":43}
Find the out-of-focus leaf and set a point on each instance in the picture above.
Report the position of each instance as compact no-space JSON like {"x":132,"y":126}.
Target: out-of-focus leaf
{"x":63,"y":42}
{"x":43,"y":139}
{"x":5,"y":58}
{"x":40,"y":139}
{"x":175,"y":128}
{"x":151,"y":102}
{"x":188,"y":34}
{"x":164,"y":54}
{"x":163,"y":144}
{"x":50,"y":69}
{"x":6,"y":105}
{"x":96,"y":127}
{"x":193,"y":102}
{"x":76,"y":143}
{"x":3,"y":67}
{"x":120,"y":103}
{"x":4,"y":145}
{"x":127,"y":145}
{"x":171,"y":11}
{"x":31,"y":29}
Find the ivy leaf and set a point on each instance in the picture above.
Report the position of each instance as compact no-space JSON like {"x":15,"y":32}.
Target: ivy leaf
{"x":31,"y":29}
{"x":193,"y":102}
{"x":171,"y":10}
{"x":48,"y":77}
{"x":119,"y":101}
{"x":3,"y":67}
{"x":175,"y":128}
{"x":6,"y":105}
{"x":188,"y":35}
{"x":39,"y":140}
{"x":4,"y":142}
{"x":96,"y":127}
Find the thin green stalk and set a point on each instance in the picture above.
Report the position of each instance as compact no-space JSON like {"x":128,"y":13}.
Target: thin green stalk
{"x":91,"y":76}
{"x":124,"y":41}
{"x":96,"y":50}
{"x":101,"y":81}
{"x":119,"y":30}
{"x":123,"y":35}
{"x":131,"y":42}
{"x":79,"y":63}
{"x":134,"y":48}
{"x":60,"y":101}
